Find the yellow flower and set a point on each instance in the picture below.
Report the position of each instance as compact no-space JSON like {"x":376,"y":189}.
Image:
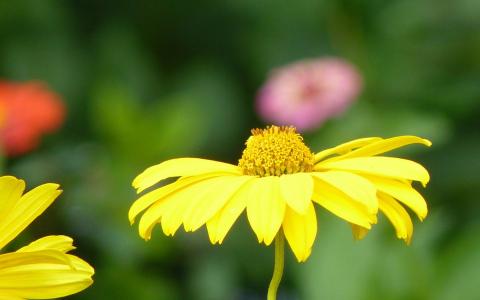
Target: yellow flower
{"x":277,"y":181}
{"x":42,"y":269}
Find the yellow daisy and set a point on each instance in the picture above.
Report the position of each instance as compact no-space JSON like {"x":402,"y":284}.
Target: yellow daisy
{"x":42,"y":269}
{"x":277,"y":181}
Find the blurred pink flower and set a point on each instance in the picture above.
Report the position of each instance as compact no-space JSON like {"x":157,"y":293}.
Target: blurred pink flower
{"x":307,"y":93}
{"x":27,"y":111}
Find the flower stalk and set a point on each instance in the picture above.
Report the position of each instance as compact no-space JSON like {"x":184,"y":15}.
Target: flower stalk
{"x":278,"y":267}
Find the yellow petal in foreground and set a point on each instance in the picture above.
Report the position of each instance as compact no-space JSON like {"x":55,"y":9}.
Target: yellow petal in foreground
{"x":204,"y":208}
{"x":11,"y":190}
{"x":42,"y":274}
{"x":296,"y":190}
{"x":169,"y":211}
{"x":25,"y":210}
{"x":341,"y":205}
{"x":190,"y":203}
{"x":220,"y":224}
{"x":403,"y":192}
{"x":358,"y":232}
{"x":354,"y":186}
{"x":42,"y":269}
{"x":300,"y":231}
{"x":345,"y":147}
{"x":180,"y":167}
{"x":398,"y":216}
{"x":176,"y":205}
{"x":150,"y":198}
{"x":265,"y":208}
{"x":382,"y":146}
{"x":61,"y":243}
{"x":380,"y":166}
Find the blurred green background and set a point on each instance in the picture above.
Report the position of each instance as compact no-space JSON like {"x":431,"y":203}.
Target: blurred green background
{"x":146,"y":81}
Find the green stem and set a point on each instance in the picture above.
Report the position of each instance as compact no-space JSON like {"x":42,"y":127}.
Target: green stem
{"x":278,"y":268}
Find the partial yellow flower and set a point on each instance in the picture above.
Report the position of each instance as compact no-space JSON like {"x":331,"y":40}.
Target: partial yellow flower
{"x":277,"y":181}
{"x":43,"y":269}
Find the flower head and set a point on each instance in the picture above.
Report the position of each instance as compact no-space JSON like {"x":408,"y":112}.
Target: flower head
{"x":276,"y":151}
{"x":277,"y":181}
{"x":43,"y":269}
{"x":307,"y":93}
{"x":27,"y":111}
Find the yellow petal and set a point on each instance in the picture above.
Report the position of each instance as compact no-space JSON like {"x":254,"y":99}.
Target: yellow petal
{"x":345,"y":147}
{"x":220,"y":224}
{"x":43,"y":274}
{"x":150,"y":198}
{"x":382,"y":146}
{"x":354,"y":186}
{"x":300,"y":231}
{"x":61,"y":243}
{"x":25,"y":210}
{"x":5,"y":295}
{"x":157,"y":195}
{"x":171,"y":209}
{"x":180,"y":167}
{"x":46,"y":256}
{"x":358,"y":232}
{"x":265,"y":208}
{"x":201,"y":209}
{"x":381,"y":166}
{"x":80,"y":265}
{"x":403,"y":192}
{"x":11,"y":190}
{"x":296,"y":190}
{"x":341,"y":205}
{"x":398,"y":216}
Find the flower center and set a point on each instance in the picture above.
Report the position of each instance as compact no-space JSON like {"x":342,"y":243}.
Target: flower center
{"x":275,"y":151}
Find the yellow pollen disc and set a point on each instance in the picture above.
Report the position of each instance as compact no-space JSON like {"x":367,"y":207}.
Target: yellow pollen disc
{"x":275,"y":151}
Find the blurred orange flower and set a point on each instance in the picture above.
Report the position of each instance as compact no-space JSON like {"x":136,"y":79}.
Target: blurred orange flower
{"x":27,"y":111}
